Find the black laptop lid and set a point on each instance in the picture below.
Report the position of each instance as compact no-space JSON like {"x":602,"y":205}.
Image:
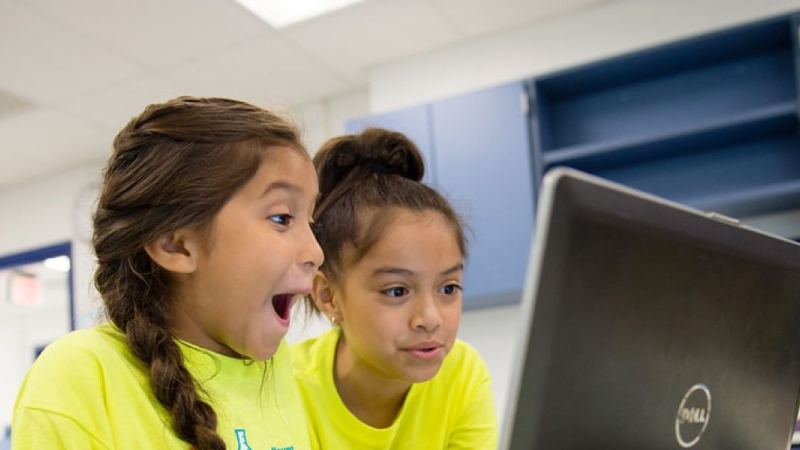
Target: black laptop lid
{"x":648,"y":325}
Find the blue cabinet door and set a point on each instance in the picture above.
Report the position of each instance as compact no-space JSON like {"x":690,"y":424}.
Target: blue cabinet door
{"x":482,"y":151}
{"x":710,"y":121}
{"x":414,"y":122}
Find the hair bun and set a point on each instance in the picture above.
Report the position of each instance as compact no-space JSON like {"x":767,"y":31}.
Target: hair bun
{"x":389,"y":152}
{"x":373,"y":151}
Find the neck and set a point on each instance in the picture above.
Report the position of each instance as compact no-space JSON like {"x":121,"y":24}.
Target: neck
{"x":183,"y":326}
{"x":373,"y":397}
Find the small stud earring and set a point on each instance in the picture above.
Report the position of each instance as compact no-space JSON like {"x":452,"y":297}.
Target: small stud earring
{"x":334,"y":320}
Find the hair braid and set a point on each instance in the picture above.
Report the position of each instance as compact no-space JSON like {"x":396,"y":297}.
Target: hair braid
{"x":192,"y":419}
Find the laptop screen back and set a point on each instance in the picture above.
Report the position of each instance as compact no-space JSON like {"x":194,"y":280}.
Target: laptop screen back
{"x":651,"y":326}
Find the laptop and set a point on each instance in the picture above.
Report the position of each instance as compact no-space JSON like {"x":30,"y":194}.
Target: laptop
{"x":651,"y":325}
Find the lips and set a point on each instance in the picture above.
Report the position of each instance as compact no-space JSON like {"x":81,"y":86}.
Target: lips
{"x":426,"y":346}
{"x":283,"y":305}
{"x":426,"y":350}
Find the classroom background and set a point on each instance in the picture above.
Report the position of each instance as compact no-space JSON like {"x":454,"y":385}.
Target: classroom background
{"x":695,"y":100}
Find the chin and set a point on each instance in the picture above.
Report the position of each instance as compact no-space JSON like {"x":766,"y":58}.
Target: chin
{"x":420,"y":376}
{"x":264,"y":352}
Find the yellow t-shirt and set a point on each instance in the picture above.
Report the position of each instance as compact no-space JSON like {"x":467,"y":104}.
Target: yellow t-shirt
{"x":452,"y":410}
{"x":88,"y":391}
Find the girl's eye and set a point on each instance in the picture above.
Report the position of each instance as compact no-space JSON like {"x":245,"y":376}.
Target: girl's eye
{"x":451,"y":289}
{"x":395,"y":291}
{"x":282,"y":219}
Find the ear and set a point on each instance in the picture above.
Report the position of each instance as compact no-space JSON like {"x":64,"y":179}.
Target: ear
{"x":324,"y":295}
{"x":175,"y":252}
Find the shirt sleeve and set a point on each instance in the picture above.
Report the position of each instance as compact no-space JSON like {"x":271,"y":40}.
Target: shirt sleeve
{"x":59,"y":405}
{"x":35,"y":429}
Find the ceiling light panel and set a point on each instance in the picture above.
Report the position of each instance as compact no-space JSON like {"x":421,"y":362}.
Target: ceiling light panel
{"x":282,"y":13}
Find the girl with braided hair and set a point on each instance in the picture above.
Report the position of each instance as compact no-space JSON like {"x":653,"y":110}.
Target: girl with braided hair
{"x":202,"y":236}
{"x":390,"y":374}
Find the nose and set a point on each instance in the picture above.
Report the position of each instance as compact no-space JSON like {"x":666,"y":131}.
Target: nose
{"x":311,"y":255}
{"x":425,"y":315}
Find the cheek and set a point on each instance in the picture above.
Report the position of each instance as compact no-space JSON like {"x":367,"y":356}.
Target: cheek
{"x":452,"y":317}
{"x":269,"y":260}
{"x":374,"y":323}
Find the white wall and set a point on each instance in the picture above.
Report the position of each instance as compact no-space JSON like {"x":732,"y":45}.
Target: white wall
{"x":601,"y":32}
{"x":324,"y":119}
{"x":604,"y":31}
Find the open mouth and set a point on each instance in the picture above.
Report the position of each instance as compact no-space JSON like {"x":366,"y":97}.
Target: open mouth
{"x":282,"y":304}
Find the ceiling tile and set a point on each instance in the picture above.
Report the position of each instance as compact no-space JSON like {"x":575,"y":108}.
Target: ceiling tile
{"x":113,"y":108}
{"x":481,"y":17}
{"x":157,"y":32}
{"x":267,"y":71}
{"x":43,"y":61}
{"x":74,"y":72}
{"x":352,"y":40}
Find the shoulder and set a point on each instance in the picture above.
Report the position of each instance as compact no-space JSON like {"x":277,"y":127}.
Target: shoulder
{"x":463,"y":358}
{"x":468,"y":385}
{"x":98,"y":344}
{"x":79,"y":359}
{"x":461,"y":390}
{"x":464,"y":349}
{"x":311,"y":353}
{"x":463,"y":372}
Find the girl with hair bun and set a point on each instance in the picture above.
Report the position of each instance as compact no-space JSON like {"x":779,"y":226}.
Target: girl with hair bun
{"x":390,"y":374}
{"x":202,"y":236}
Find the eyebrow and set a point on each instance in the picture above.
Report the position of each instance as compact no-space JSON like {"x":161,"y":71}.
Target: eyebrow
{"x":405,"y":272}
{"x":281,"y":185}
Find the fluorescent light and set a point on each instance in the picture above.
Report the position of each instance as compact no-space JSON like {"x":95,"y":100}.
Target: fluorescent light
{"x":282,"y":13}
{"x":59,"y":263}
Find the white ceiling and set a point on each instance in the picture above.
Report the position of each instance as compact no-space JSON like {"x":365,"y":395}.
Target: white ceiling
{"x":73,"y":72}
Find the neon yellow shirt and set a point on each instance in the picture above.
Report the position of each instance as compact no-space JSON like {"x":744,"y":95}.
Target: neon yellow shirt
{"x":88,"y":391}
{"x":452,"y":410}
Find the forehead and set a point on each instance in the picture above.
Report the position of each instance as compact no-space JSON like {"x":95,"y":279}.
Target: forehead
{"x":410,"y":235}
{"x":400,"y":220}
{"x":289,"y":167}
{"x":285,"y":157}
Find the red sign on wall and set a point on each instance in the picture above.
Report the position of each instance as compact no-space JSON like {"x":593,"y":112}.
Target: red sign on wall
{"x":24,"y":289}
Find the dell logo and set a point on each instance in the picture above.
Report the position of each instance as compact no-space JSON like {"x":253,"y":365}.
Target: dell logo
{"x":693,"y":415}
